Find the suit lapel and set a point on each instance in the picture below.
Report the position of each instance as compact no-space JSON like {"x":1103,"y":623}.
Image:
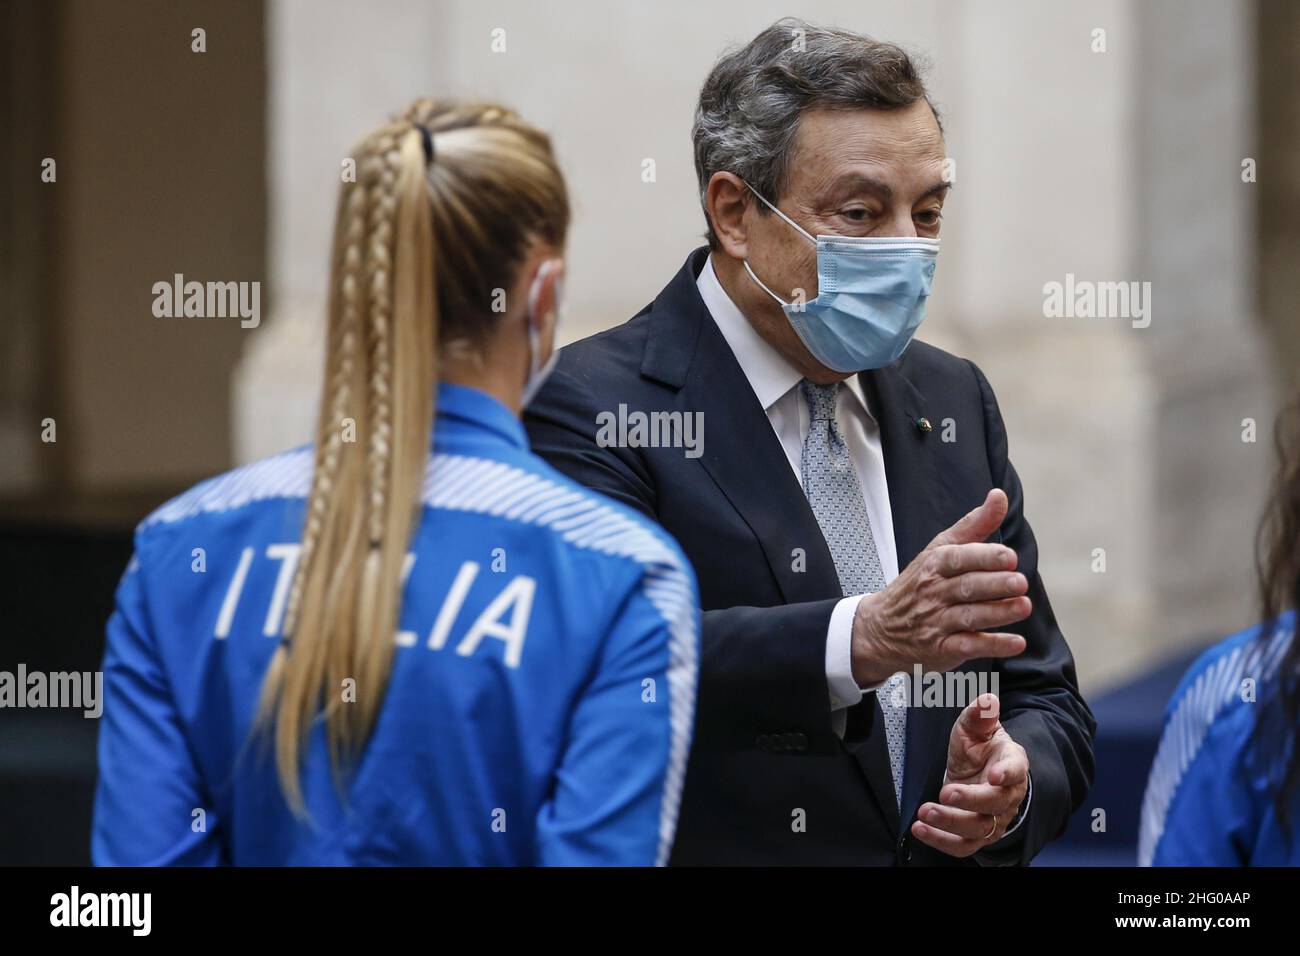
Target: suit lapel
{"x":742,"y":455}
{"x":746,"y":461}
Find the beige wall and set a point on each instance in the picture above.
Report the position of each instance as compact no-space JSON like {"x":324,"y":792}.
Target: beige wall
{"x":160,"y":156}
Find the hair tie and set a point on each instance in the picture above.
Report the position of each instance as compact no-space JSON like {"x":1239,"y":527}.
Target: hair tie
{"x":426,"y":138}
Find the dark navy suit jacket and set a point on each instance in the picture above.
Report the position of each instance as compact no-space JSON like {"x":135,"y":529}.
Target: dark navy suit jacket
{"x":764,"y":746}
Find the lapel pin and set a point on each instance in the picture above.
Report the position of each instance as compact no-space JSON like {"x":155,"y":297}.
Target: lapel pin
{"x":922,"y":425}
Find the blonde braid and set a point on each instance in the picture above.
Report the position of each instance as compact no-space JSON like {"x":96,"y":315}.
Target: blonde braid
{"x":377,"y":332}
{"x":379,"y":271}
{"x":337,"y":398}
{"x":416,"y":245}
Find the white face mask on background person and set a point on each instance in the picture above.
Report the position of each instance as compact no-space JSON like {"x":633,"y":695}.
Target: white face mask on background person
{"x":537,"y":372}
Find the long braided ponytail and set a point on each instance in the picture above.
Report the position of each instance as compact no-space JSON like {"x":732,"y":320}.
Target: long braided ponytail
{"x":447,"y":202}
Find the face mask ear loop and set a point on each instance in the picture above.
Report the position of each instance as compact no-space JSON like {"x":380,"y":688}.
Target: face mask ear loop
{"x":801,"y":229}
{"x":761,"y":285}
{"x":807,"y":235}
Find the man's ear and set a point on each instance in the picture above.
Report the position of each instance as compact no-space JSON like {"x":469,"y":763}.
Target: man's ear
{"x":727,"y":199}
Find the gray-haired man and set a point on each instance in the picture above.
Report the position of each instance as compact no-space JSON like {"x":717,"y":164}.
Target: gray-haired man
{"x":843,"y":550}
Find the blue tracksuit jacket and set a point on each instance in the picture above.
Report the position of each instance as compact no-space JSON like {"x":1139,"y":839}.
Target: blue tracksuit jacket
{"x":542,"y":692}
{"x":1209,"y":798}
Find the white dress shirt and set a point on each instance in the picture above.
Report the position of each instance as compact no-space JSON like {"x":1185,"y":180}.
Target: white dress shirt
{"x":776,"y":385}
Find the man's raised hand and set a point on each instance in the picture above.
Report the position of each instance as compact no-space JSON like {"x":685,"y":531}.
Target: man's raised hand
{"x":943,"y":608}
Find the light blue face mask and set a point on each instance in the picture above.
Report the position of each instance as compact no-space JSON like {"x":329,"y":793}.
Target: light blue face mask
{"x":871,"y":296}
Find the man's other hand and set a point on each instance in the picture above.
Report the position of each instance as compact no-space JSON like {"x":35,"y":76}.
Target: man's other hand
{"x":987,"y":779}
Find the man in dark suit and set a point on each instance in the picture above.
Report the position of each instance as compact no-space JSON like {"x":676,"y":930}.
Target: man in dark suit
{"x":828,"y":514}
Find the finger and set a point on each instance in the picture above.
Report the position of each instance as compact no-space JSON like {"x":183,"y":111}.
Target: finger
{"x":977,"y":524}
{"x":943,"y":841}
{"x":1009,"y":772}
{"x":977,"y":586}
{"x":979,"y":719}
{"x":963,"y":823}
{"x":972,"y":645}
{"x":981,"y":798}
{"x":951,"y":560}
{"x":985,"y":615}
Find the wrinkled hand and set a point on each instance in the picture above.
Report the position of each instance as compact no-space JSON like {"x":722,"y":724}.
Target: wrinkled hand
{"x":938,"y":611}
{"x":988,"y":777}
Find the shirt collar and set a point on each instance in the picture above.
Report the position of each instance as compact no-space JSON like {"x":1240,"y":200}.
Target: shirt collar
{"x":461,"y":404}
{"x":769,"y":373}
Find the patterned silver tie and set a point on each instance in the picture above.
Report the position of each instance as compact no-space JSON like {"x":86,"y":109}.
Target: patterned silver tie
{"x":831,"y":483}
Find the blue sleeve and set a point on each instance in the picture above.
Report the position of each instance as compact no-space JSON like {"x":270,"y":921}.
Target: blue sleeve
{"x":1199,"y":809}
{"x":618,"y":787}
{"x":149,"y":786}
{"x":1211,"y":813}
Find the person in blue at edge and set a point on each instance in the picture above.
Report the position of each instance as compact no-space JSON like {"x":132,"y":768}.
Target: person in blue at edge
{"x":1225,"y":785}
{"x":393,"y":656}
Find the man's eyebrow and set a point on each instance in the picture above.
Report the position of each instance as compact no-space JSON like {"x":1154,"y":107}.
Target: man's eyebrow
{"x":940,"y":187}
{"x":858,"y":182}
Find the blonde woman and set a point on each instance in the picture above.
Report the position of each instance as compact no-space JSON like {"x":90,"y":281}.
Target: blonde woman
{"x":413,"y":642}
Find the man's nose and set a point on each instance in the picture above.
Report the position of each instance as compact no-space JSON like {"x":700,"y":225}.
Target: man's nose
{"x":900,"y":225}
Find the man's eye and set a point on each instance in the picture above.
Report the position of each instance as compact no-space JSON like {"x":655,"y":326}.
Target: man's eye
{"x":930,"y":217}
{"x":856,"y":214}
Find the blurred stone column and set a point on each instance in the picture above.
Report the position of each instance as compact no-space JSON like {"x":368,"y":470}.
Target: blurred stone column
{"x":1278,"y":191}
{"x":335,"y":70}
{"x":1038,"y":114}
{"x":1119,"y":163}
{"x":1198,"y":245}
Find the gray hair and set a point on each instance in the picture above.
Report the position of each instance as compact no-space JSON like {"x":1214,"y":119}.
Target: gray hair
{"x":751,"y":103}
